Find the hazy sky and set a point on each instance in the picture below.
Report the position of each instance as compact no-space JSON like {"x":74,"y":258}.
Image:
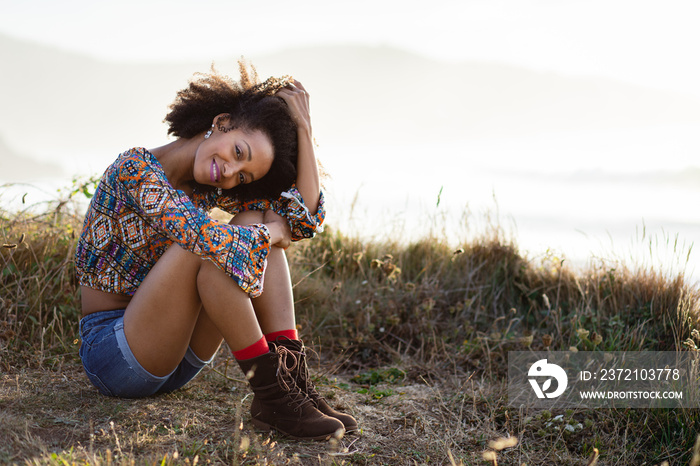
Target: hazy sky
{"x":653,"y":43}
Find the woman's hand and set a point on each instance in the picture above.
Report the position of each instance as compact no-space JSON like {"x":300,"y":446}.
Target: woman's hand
{"x":297,"y":100}
{"x":280,"y":233}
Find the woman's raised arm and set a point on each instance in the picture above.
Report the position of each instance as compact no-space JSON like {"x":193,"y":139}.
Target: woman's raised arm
{"x":308,"y":183}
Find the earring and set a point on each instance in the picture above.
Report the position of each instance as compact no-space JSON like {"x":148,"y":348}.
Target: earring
{"x":218,"y":191}
{"x":206,"y":136}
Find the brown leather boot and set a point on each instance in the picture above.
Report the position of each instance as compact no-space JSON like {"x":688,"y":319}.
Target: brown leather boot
{"x":303,"y":380}
{"x":279,"y":403}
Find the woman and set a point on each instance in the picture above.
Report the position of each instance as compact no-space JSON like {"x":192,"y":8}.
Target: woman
{"x":163,"y":284}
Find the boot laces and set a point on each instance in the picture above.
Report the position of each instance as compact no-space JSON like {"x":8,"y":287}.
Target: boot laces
{"x":304,"y":378}
{"x":285,"y":379}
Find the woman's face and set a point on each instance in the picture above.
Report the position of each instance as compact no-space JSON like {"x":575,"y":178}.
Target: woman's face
{"x":238,"y":156}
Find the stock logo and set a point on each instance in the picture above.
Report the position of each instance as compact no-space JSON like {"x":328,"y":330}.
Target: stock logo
{"x":542,"y":369}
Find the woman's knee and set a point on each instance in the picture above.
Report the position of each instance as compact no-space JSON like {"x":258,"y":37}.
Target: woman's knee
{"x":178,"y":258}
{"x":248,"y":217}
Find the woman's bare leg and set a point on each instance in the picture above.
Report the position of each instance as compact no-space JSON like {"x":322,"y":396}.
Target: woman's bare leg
{"x":275,"y":307}
{"x":206,"y":338}
{"x":275,"y":312}
{"x":161,"y":318}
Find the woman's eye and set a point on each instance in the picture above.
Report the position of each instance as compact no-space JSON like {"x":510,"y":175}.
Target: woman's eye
{"x":238,"y":152}
{"x":241,"y":178}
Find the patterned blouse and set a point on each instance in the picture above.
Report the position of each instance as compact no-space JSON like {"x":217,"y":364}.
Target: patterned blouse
{"x":135,"y":215}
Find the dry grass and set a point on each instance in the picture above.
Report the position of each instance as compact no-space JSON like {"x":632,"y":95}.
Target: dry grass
{"x":413,"y":340}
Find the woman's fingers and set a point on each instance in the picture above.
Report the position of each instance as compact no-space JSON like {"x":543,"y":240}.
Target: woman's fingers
{"x":283,"y":235}
{"x":294,"y":88}
{"x":300,"y":86}
{"x":296,"y":97}
{"x":296,"y":85}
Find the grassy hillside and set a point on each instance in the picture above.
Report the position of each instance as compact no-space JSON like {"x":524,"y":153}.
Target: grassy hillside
{"x":413,"y":338}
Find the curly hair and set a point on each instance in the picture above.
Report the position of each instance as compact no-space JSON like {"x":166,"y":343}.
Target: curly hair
{"x":252,"y":106}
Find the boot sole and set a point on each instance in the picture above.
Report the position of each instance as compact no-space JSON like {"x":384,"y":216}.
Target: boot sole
{"x":267,"y":427}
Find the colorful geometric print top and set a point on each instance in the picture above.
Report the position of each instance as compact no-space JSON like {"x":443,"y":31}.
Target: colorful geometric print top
{"x":135,"y":215}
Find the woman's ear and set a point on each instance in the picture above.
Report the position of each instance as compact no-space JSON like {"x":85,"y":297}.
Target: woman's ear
{"x":223,"y":122}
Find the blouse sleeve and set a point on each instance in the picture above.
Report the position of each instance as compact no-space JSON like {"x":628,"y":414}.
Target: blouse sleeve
{"x":291,"y":206}
{"x":241,"y":251}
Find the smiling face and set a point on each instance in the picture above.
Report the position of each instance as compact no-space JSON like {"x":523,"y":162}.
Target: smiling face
{"x":228,"y":159}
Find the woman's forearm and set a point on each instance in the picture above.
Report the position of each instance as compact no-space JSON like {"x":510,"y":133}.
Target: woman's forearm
{"x":308,"y":183}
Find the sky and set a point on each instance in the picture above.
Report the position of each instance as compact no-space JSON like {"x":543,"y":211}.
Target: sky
{"x":652,"y":43}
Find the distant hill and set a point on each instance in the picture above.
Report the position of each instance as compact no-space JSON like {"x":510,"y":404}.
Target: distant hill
{"x":384,"y":91}
{"x":61,"y":104}
{"x":16,"y":168}
{"x":66,"y":103}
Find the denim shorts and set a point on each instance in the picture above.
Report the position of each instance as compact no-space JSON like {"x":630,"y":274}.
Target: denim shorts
{"x":111,"y":366}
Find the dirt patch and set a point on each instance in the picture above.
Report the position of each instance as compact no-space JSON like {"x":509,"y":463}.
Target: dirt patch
{"x":406,"y":420}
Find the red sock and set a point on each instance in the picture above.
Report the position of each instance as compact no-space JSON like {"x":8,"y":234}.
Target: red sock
{"x":256,"y":349}
{"x":292,"y":334}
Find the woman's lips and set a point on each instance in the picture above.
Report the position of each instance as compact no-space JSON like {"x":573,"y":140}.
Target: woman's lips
{"x":214,"y":172}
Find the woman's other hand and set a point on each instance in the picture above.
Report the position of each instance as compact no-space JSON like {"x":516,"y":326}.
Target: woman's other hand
{"x":297,"y":100}
{"x":280,"y":233}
